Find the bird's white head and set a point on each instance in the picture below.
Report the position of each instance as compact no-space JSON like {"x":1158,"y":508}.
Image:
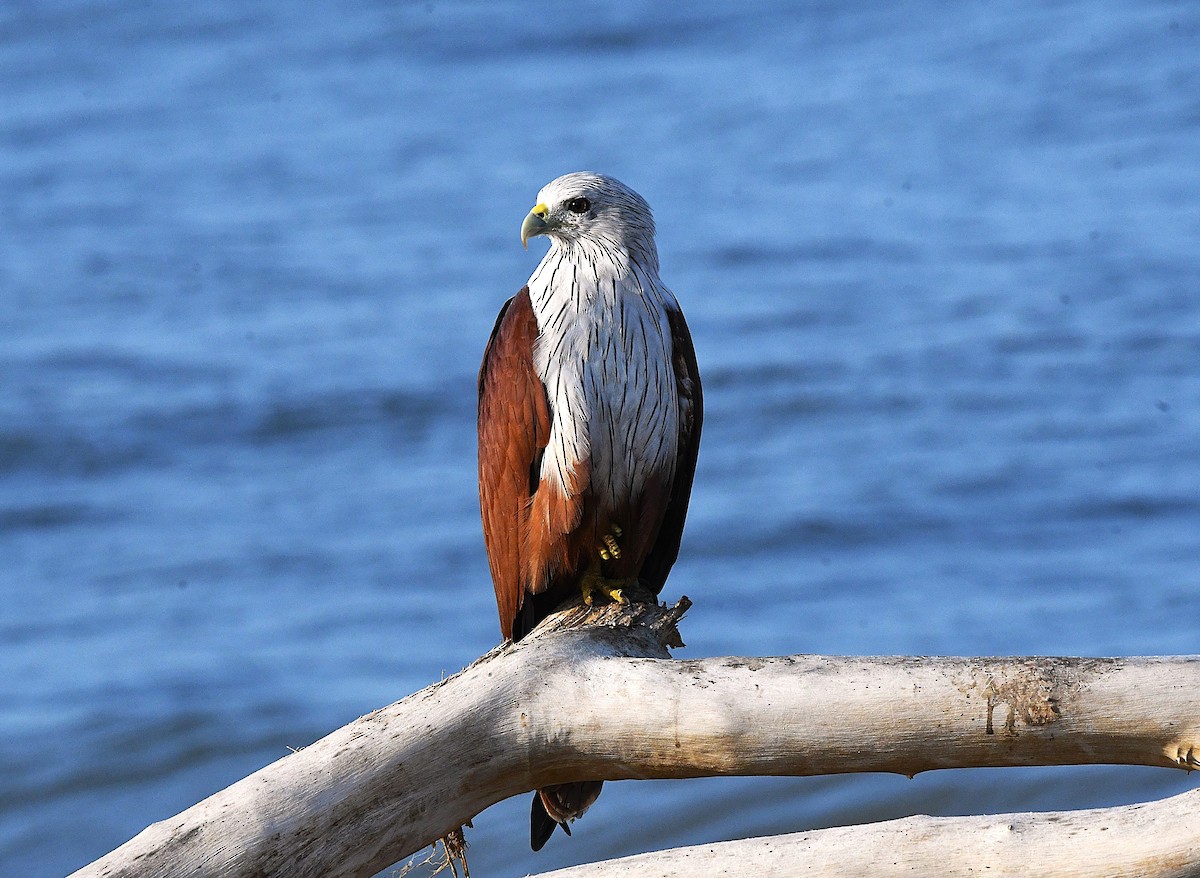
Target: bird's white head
{"x":588,"y":208}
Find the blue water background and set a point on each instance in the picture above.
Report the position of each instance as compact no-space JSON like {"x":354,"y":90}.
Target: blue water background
{"x":941,"y":263}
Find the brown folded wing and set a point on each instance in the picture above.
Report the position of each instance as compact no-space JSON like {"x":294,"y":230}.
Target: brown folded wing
{"x":691,"y":417}
{"x":514,"y":427}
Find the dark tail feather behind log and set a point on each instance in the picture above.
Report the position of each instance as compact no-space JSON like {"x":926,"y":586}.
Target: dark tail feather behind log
{"x":554,"y":806}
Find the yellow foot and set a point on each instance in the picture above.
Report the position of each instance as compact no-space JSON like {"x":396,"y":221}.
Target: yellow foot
{"x":609,"y":548}
{"x":612,"y":589}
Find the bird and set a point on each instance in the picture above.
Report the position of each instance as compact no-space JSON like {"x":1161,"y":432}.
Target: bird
{"x":590,"y":411}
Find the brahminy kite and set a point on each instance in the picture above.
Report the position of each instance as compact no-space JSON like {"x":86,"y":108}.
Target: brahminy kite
{"x":589,"y":423}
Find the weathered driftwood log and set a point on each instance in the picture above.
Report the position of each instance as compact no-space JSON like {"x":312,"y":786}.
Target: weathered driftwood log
{"x":1154,"y":840}
{"x":557,"y":707}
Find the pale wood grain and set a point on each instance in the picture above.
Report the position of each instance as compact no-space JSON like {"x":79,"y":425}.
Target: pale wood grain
{"x":1153,"y":840}
{"x":605,"y":701}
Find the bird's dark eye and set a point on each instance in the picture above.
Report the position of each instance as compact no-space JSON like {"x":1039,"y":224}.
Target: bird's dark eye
{"x":579,"y":205}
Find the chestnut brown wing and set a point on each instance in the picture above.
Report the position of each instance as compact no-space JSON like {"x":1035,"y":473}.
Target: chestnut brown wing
{"x":514,"y":427}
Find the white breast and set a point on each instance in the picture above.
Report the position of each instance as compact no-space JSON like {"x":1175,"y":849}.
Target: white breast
{"x":604,"y":354}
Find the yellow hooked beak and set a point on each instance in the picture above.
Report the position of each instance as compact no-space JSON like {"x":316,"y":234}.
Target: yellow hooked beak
{"x":535,"y":224}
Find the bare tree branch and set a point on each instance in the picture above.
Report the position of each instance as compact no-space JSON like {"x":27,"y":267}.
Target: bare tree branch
{"x":604,"y":701}
{"x":1153,"y":840}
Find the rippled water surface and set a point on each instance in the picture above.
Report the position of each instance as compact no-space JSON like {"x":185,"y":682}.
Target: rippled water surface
{"x":942,"y":267}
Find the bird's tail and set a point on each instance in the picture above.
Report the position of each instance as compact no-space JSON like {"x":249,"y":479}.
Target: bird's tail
{"x":554,"y":806}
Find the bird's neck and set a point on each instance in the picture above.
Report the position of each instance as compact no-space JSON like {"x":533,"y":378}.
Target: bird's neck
{"x":581,"y":276}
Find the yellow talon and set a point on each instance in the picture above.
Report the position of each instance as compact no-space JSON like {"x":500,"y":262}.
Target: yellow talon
{"x":612,"y":589}
{"x":613,"y":549}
